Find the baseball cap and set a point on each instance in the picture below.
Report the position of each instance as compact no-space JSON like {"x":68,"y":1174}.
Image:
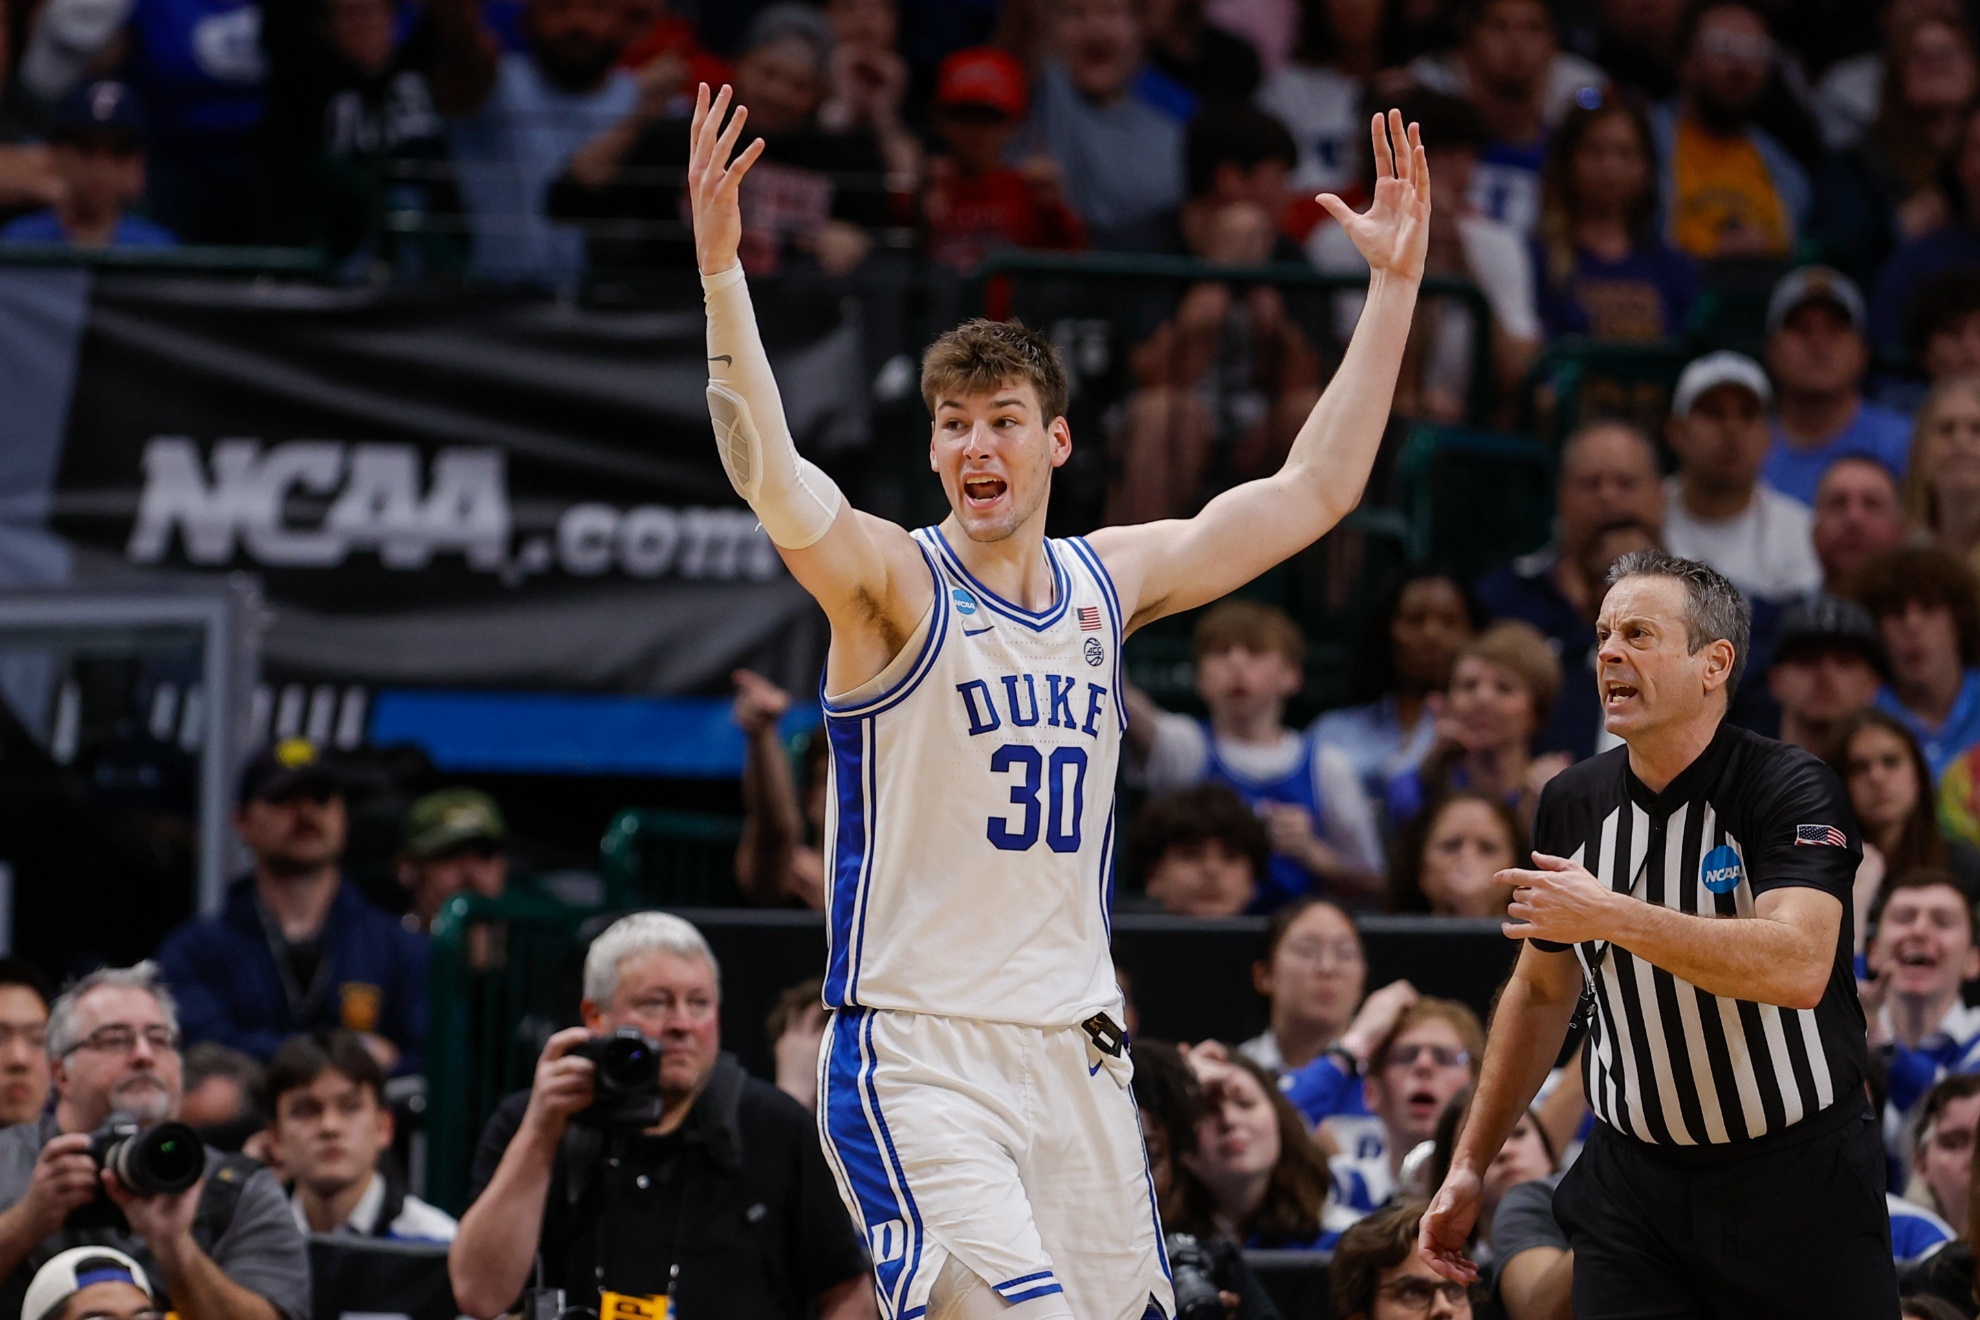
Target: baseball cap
{"x":285,"y":768}
{"x":777,"y":22}
{"x":1714,"y":370}
{"x":1821,"y":622}
{"x":74,"y":1270}
{"x":982,"y":76}
{"x":104,"y":106}
{"x":1813,"y":284}
{"x":450,"y":817}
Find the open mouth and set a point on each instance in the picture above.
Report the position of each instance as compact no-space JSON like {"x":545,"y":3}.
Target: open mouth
{"x":1916,"y":958}
{"x":1424,"y":1102}
{"x":983,"y":490}
{"x":1615,"y":694}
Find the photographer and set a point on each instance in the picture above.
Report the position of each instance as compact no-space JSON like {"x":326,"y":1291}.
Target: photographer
{"x":680,"y":1178}
{"x":222,"y":1248}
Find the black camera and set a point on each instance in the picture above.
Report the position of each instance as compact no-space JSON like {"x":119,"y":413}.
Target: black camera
{"x":1197,"y":1294}
{"x":626,"y":1084}
{"x":149,"y":1161}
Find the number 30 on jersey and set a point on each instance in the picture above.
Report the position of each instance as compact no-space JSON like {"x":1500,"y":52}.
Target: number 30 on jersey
{"x":1050,"y":790}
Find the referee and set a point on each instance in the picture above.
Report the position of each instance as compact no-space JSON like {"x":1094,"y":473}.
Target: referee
{"x":1696,"y":881}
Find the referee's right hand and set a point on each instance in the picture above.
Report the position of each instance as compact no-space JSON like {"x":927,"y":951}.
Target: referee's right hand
{"x":1447,"y":1225}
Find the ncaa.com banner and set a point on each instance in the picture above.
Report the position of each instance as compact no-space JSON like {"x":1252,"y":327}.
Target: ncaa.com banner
{"x":466,"y":490}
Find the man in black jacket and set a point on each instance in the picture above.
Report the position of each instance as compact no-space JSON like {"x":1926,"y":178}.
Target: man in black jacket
{"x":714,"y":1202}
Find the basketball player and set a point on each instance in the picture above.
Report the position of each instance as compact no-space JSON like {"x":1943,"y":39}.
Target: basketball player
{"x":973,"y":1085}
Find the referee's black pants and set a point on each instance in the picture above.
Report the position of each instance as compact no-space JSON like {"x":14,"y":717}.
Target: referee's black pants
{"x":1795,"y":1230}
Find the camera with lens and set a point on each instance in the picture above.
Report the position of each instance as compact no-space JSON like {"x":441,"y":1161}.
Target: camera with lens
{"x":1197,"y":1294}
{"x":626,"y":1082}
{"x":168,"y":1157}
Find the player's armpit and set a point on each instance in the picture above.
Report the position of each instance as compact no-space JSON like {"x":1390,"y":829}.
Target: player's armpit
{"x":873,"y":583}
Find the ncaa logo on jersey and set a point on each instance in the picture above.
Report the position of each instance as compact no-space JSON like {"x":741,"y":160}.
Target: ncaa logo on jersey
{"x":1721,"y":871}
{"x":888,"y":1240}
{"x":965,"y":603}
{"x":1096,"y":654}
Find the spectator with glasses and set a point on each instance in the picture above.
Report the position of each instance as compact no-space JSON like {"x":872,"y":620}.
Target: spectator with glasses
{"x":1322,"y":1032}
{"x":1377,"y":1274}
{"x":1430,"y":1055}
{"x":23,"y":1042}
{"x":223,"y":1249}
{"x":296,"y":947}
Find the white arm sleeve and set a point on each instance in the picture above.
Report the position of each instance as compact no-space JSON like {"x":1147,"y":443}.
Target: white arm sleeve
{"x":793,"y":499}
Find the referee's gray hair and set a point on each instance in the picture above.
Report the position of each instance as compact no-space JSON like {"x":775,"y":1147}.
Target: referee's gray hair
{"x":1713,"y":608}
{"x":63,"y":1025}
{"x":642,"y":932}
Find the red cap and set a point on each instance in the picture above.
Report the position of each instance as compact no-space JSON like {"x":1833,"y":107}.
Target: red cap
{"x":982,"y":75}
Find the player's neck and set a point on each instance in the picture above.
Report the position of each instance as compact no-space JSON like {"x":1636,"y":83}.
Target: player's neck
{"x":1659,"y":756}
{"x":1015,"y":568}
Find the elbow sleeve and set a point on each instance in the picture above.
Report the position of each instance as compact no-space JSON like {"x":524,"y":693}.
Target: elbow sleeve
{"x":791,"y":496}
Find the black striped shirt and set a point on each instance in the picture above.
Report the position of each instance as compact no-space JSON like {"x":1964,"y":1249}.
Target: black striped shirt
{"x":1668,"y":1063}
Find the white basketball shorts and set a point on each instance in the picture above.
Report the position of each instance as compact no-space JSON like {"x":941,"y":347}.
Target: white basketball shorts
{"x":1015,"y":1150}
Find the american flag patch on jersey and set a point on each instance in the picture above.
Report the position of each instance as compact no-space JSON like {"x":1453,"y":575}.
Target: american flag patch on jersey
{"x":1089,"y":618}
{"x":1821,"y":835}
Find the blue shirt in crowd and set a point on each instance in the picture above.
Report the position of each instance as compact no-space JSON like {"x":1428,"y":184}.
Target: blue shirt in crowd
{"x":508,"y":153}
{"x":1875,"y":432}
{"x":1371,"y":736}
{"x":43,"y":227}
{"x":1960,"y":731}
{"x":236,"y":984}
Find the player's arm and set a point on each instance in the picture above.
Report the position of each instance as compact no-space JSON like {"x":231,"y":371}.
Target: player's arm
{"x":1528,"y":1027}
{"x":1166,"y":567}
{"x":866,"y":572}
{"x":1783,"y":955}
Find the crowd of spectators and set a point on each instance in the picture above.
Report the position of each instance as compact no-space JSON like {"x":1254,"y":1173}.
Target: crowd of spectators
{"x":1607,"y":172}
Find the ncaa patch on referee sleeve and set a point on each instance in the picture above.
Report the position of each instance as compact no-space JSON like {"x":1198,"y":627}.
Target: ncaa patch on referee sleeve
{"x":1822,"y":836}
{"x":1720,"y":871}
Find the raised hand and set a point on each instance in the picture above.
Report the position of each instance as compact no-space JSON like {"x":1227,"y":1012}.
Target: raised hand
{"x":1394,"y":233}
{"x":714,"y":178}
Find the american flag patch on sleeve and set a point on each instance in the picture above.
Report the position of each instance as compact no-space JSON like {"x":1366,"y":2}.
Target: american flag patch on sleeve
{"x":1821,"y":836}
{"x":1089,"y":618}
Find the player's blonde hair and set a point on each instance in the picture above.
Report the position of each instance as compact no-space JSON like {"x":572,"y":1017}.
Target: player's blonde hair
{"x":978,"y":356}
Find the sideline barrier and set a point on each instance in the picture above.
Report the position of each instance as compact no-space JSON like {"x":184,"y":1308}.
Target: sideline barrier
{"x":506,"y":974}
{"x":378,"y":1279}
{"x":1298,"y":1281}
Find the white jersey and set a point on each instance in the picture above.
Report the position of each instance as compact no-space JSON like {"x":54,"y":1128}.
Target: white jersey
{"x":969,"y":835}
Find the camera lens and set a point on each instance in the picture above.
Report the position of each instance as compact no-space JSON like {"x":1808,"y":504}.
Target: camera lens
{"x":167,"y":1158}
{"x":627,"y":1064}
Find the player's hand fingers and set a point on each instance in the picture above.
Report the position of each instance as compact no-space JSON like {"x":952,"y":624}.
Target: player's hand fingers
{"x":1343,"y":213}
{"x":1385,"y":160}
{"x":1549,"y":862}
{"x":732,"y":179}
{"x":701,"y":152}
{"x":695,"y":121}
{"x":725,"y":145}
{"x":1520,"y":930}
{"x":1521,"y":879}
